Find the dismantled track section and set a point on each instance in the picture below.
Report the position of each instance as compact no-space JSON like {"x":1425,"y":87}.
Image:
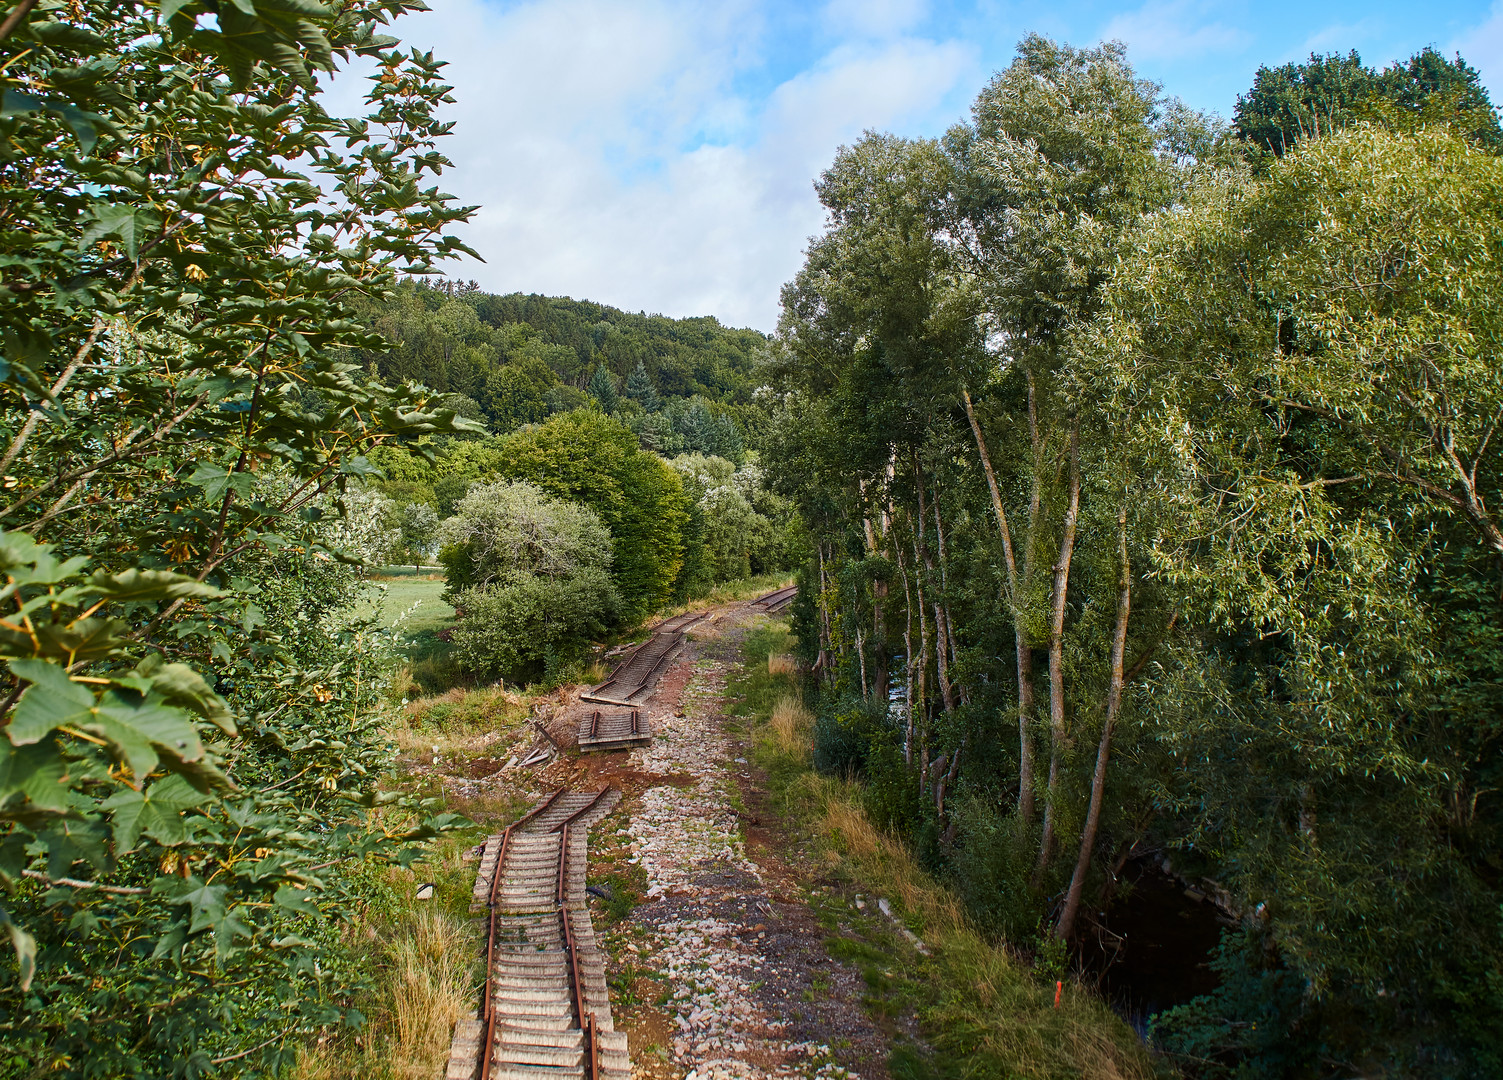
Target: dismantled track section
{"x":632,"y":681}
{"x":613,"y":729}
{"x":545,"y":1012}
{"x":776,"y":600}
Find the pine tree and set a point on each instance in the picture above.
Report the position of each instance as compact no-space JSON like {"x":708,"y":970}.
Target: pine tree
{"x":640,"y":389}
{"x":603,"y":389}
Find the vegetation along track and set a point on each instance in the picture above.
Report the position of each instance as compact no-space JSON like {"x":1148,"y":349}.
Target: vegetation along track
{"x":545,"y":1011}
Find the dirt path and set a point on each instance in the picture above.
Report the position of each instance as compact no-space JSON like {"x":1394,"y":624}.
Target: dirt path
{"x":721,"y":972}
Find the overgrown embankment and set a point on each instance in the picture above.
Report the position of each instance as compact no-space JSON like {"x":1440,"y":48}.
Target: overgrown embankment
{"x":971,"y":1007}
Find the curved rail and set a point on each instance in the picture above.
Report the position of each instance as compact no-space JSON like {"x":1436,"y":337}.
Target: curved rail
{"x":563,"y":826}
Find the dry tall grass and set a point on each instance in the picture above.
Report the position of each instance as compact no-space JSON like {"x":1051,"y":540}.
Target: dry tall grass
{"x":425,"y":976}
{"x":781,"y":664}
{"x":791,"y":726}
{"x":430,"y":993}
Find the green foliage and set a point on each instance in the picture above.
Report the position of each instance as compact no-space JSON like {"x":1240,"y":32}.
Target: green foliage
{"x":640,"y":388}
{"x":591,"y":459}
{"x":1326,"y":94}
{"x":514,"y":528}
{"x":518,"y":394}
{"x":1161,"y":489}
{"x":1348,"y":432}
{"x":603,"y":389}
{"x":528,"y":575}
{"x":845,"y":731}
{"x":192,"y":740}
{"x":1257,"y":1024}
{"x":453,"y":337}
{"x":737,"y":528}
{"x":522,"y":624}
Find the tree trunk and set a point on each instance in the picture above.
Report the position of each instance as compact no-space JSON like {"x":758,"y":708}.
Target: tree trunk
{"x":921,"y":696}
{"x":879,"y":594}
{"x":1103,"y":753}
{"x":824,"y":620}
{"x":1057,"y":647}
{"x":942,"y":608}
{"x":907,"y":660}
{"x":941,"y":663}
{"x":1014,"y":602}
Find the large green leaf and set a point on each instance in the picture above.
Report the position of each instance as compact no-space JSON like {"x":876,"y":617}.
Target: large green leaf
{"x":127,"y":223}
{"x":157,"y":812}
{"x":83,"y":639}
{"x":51,"y":701}
{"x":38,"y":775}
{"x":142,"y":730}
{"x":149,"y":585}
{"x":179,"y":684}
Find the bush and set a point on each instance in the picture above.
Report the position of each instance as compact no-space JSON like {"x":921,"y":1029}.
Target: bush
{"x":529,"y":577}
{"x":844,"y":729}
{"x":518,"y":628}
{"x":589,"y":458}
{"x":502,"y":530}
{"x":1254,"y":1026}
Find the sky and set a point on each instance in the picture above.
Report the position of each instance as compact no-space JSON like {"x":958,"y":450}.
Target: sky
{"x":659,"y":155}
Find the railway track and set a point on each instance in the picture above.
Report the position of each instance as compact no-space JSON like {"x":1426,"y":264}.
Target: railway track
{"x":545,"y":1011}
{"x":632,"y":681}
{"x":614,"y":729}
{"x":776,"y":600}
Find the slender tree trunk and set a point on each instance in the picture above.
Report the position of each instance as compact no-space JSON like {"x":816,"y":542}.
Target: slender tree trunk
{"x":1057,"y":647}
{"x":824,"y":620}
{"x":861,"y":660}
{"x":907,"y":660}
{"x":942,"y":609}
{"x":1014,"y":601}
{"x":879,"y":627}
{"x":921,"y":695}
{"x":941,"y":663}
{"x":1103,"y":752}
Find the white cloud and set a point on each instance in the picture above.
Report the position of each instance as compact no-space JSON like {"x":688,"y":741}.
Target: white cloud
{"x":1174,"y":30}
{"x":874,"y":18}
{"x":615,"y":159}
{"x":1482,"y":47}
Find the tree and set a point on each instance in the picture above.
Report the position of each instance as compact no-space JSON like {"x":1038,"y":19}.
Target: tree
{"x":177,"y":421}
{"x":529,"y":575}
{"x":603,"y":389}
{"x":418,"y":523}
{"x":1328,"y":93}
{"x":640,"y":389}
{"x":502,"y":529}
{"x":517,"y":394}
{"x":589,"y":458}
{"x":1305,"y":355}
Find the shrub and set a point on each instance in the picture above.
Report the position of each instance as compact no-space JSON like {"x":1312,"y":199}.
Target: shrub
{"x":520,"y":625}
{"x":589,"y":458}
{"x":502,"y":530}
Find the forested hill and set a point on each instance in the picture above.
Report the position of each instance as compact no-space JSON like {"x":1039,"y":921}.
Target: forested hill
{"x":455,"y":338}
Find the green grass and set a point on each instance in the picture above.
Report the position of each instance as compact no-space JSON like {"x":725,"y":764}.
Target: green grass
{"x":414,"y":603}
{"x":422,"y":594}
{"x":982,"y":1012}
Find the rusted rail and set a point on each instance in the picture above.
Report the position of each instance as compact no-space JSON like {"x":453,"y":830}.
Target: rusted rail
{"x":777,"y":600}
{"x":583,"y":1016}
{"x":488,"y":1002}
{"x":581,"y":812}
